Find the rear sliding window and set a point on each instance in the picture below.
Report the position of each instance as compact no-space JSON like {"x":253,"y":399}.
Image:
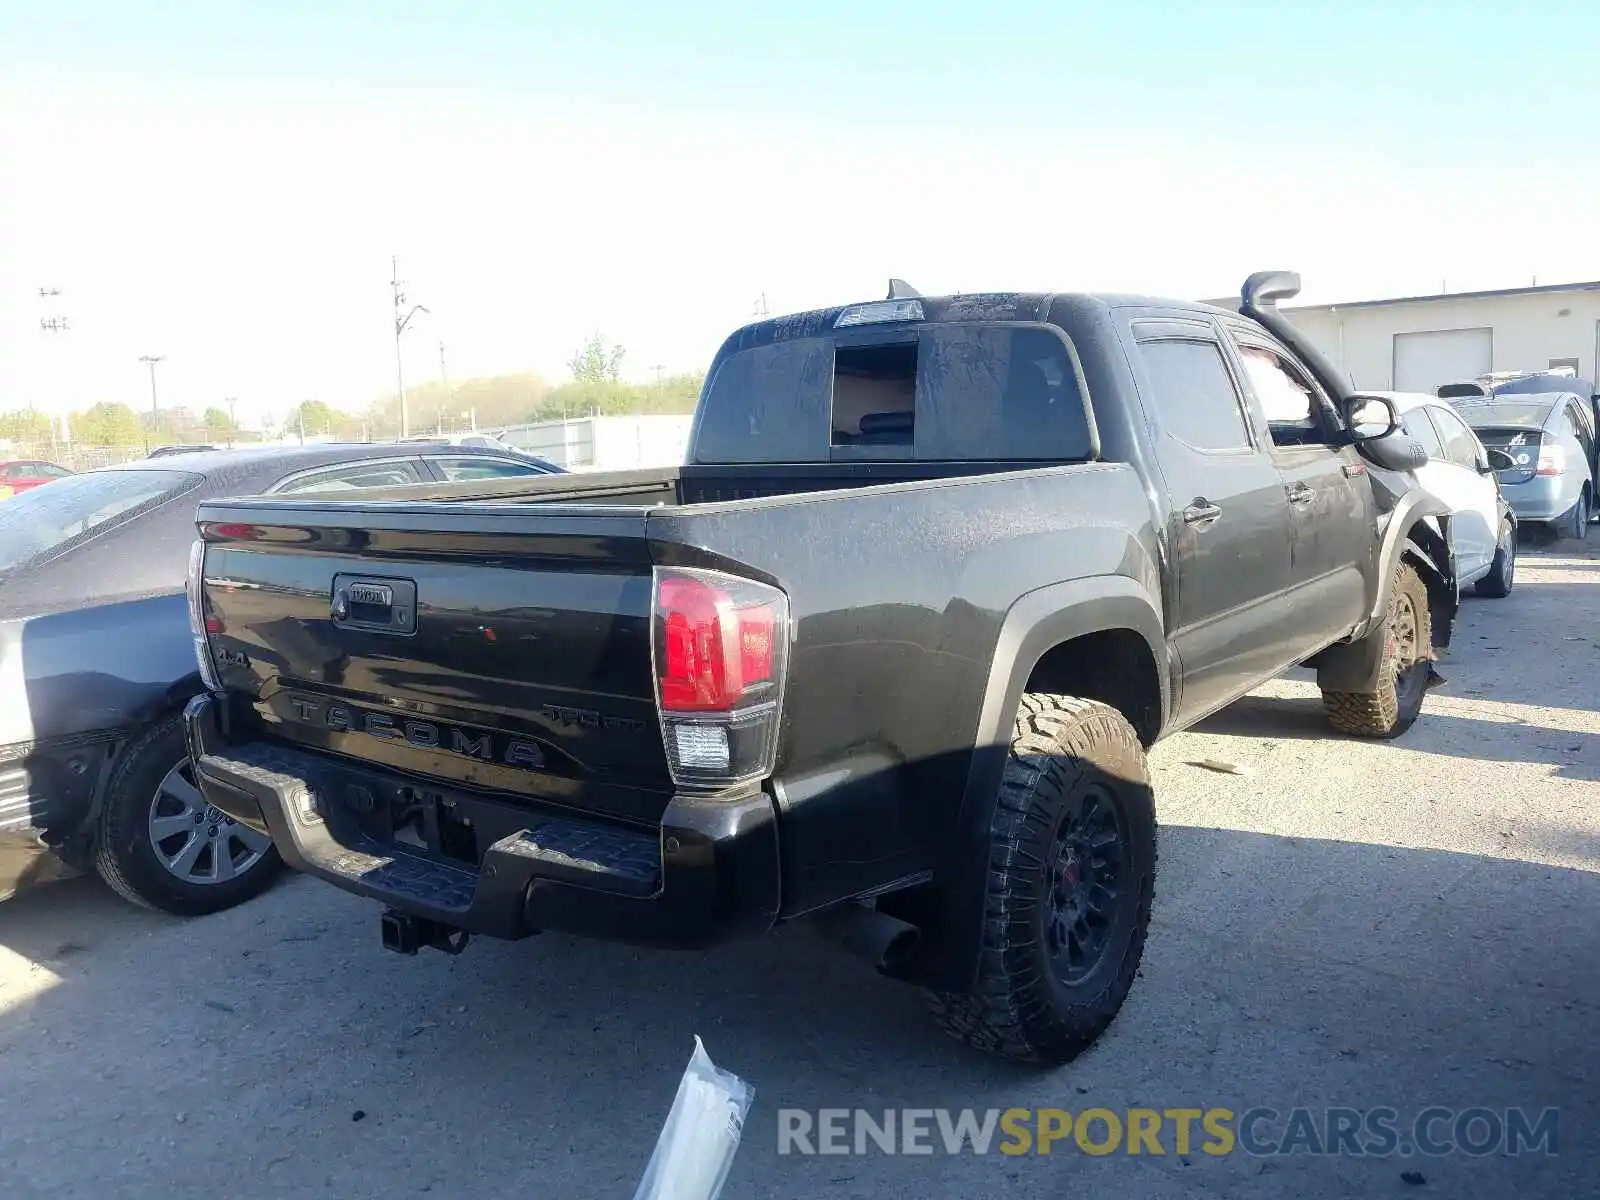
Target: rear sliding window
{"x":939,"y":393}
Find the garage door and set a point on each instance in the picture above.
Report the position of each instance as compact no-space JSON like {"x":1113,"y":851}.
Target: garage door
{"x":1422,"y":361}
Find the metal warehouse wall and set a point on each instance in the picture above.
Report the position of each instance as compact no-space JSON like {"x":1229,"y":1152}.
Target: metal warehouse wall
{"x":1529,"y":331}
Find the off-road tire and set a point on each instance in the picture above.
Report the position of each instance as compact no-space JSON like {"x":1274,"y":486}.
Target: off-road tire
{"x":1391,"y":708}
{"x":1503,"y":571}
{"x":1062,"y":748}
{"x":123,"y":856}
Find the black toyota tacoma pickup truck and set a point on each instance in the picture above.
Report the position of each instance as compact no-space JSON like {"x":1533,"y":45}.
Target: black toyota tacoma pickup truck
{"x":888,"y":649}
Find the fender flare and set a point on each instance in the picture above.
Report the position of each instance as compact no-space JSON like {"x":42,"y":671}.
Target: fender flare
{"x":1413,"y":506}
{"x":1038,"y":622}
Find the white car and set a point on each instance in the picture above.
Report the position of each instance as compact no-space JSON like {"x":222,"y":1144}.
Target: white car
{"x":1483,"y":529}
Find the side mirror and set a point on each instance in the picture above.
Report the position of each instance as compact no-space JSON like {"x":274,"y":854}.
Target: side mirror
{"x":1499,"y":460}
{"x":1371,"y":417}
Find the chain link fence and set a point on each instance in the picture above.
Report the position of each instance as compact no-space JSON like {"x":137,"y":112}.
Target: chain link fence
{"x":73,"y":456}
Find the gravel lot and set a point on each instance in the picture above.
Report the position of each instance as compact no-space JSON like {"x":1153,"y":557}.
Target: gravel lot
{"x":1353,"y":924}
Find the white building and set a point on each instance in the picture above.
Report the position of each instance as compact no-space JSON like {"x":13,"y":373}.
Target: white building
{"x":1415,"y":343}
{"x":605,"y":443}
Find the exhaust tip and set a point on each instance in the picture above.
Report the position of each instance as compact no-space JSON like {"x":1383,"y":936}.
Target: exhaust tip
{"x":867,"y":933}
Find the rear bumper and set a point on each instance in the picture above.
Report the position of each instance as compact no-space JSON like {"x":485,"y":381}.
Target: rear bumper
{"x":1543,"y":498}
{"x":709,"y":871}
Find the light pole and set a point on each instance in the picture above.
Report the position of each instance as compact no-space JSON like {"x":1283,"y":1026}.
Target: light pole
{"x":151,"y":360}
{"x":233,"y":420}
{"x":55,"y":323}
{"x":400,"y":323}
{"x":444,"y":377}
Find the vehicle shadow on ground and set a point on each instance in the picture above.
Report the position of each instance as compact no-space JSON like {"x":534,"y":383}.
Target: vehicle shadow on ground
{"x":1482,"y":664}
{"x":1280,"y":971}
{"x":1569,"y":755}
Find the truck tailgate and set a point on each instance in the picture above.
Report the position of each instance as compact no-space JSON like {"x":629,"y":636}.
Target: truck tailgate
{"x":504,"y":647}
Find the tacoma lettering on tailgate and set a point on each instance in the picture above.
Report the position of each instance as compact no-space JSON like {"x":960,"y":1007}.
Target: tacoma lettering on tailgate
{"x":481,"y":744}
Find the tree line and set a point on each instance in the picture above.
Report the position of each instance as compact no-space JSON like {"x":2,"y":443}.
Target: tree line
{"x":596,"y":386}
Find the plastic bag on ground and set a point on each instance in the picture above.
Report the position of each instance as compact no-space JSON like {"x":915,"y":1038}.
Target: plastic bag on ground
{"x":701,"y":1134}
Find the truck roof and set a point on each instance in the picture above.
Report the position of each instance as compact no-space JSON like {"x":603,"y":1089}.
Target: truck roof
{"x":977,"y":306}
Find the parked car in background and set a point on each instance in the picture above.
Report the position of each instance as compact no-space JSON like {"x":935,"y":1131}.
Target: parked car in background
{"x":485,"y":441}
{"x":1521,"y":383}
{"x":1549,"y":381}
{"x":1550,"y":437}
{"x":25,"y":474}
{"x":96,"y":663}
{"x":491,"y":459}
{"x":1461,"y":472}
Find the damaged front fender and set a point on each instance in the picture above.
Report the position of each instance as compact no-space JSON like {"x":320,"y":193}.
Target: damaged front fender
{"x":1417,"y":531}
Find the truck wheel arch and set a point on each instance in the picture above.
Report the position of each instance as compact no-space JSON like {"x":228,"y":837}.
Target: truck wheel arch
{"x":1044,"y":637}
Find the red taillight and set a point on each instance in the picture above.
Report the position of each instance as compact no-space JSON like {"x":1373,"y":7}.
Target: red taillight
{"x":213,"y":624}
{"x":1552,"y":461}
{"x":755,"y":644}
{"x":714,"y":649}
{"x":721,"y":654}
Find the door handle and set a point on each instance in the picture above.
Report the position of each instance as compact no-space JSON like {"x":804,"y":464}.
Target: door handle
{"x":374,"y":605}
{"x":1301,"y":494}
{"x":1201,"y":512}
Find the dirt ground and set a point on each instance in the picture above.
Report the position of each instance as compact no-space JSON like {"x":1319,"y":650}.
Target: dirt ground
{"x":1350,"y":924}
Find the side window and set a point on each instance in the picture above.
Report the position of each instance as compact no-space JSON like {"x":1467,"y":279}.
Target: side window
{"x":1460,"y":446}
{"x":1580,"y":430}
{"x":1194,"y":394}
{"x":481,"y":468}
{"x":1288,"y":399}
{"x":1416,"y":423}
{"x":354,"y":475}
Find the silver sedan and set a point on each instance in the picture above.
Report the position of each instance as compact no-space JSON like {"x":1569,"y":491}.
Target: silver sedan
{"x":1550,"y":437}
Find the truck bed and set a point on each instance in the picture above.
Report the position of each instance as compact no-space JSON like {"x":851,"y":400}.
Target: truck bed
{"x":695,"y":484}
{"x":525,"y":670}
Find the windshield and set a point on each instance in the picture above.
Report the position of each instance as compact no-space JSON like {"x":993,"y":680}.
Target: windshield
{"x":46,"y":521}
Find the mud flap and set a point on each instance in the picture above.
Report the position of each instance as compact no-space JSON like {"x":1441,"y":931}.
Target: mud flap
{"x":1353,"y":666}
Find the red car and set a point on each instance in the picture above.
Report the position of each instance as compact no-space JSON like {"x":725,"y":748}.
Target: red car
{"x":28,"y":473}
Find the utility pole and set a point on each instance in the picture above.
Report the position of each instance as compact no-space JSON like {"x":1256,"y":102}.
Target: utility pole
{"x":233,"y":421}
{"x":151,"y":360}
{"x":55,"y":322}
{"x":444,"y":380}
{"x":400,"y":323}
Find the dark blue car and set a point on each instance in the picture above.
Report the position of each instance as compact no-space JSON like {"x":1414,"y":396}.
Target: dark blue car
{"x":96,"y":664}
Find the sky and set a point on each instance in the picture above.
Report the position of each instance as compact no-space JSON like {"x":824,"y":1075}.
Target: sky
{"x":224,"y":183}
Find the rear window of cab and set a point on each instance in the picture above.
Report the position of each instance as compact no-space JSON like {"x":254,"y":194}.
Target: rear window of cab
{"x":932,"y":393}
